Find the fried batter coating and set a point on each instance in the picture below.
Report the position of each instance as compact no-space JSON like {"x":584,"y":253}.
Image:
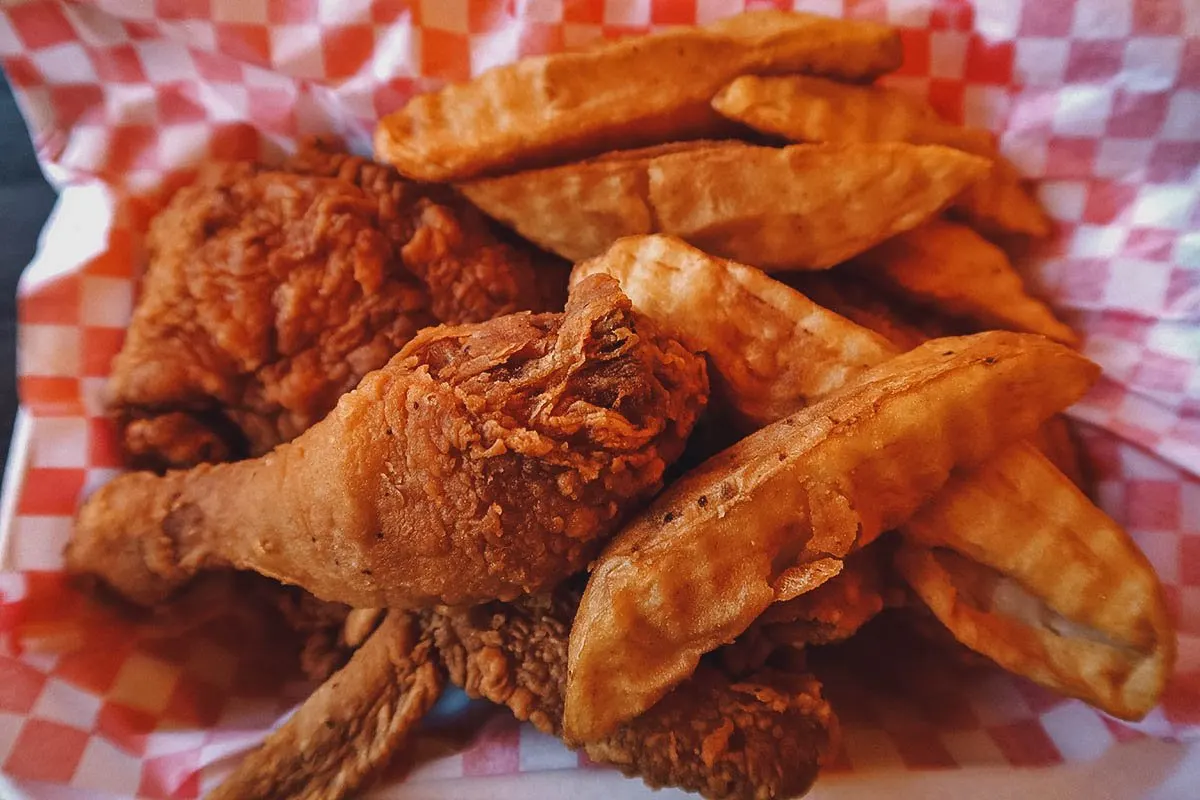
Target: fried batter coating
{"x":763,"y":735}
{"x":270,"y":292}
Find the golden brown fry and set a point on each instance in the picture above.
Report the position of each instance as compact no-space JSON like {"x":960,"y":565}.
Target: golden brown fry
{"x":772,"y":348}
{"x":705,"y":559}
{"x":957,"y":271}
{"x":348,"y":730}
{"x":800,"y":207}
{"x":1075,"y":606}
{"x":758,"y":733}
{"x":639,"y":90}
{"x":807,"y":109}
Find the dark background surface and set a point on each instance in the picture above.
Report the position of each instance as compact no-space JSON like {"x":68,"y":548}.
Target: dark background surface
{"x":25,"y":202}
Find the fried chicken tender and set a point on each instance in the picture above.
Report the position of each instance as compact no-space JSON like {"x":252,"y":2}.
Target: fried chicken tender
{"x":270,"y":292}
{"x":348,"y":730}
{"x":483,"y":462}
{"x":763,"y":735}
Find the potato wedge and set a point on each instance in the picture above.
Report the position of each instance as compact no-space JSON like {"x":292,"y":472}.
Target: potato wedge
{"x":808,"y":109}
{"x":800,"y":207}
{"x":958,"y":272}
{"x":1000,"y":204}
{"x":772,"y":348}
{"x":705,"y":559}
{"x":676,"y":287}
{"x":1074,"y":606}
{"x":639,"y":90}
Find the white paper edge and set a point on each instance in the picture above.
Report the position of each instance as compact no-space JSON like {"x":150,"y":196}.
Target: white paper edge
{"x":14,"y":479}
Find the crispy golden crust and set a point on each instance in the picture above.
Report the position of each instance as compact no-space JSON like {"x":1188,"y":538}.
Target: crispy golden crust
{"x":800,"y":207}
{"x":641,"y":90}
{"x":718,"y":547}
{"x":808,"y":109}
{"x":1087,"y":615}
{"x":332,"y":263}
{"x":805,"y":108}
{"x":763,"y":734}
{"x":484,"y":461}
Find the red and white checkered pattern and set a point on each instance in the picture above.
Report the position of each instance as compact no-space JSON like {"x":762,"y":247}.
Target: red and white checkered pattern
{"x":1097,"y":99}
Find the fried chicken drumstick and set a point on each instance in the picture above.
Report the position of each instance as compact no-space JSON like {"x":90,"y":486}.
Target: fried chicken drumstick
{"x":483,"y":462}
{"x":271,"y":291}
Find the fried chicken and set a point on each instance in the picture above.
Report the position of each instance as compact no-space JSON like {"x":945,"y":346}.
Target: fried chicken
{"x":762,"y":735}
{"x":270,"y":292}
{"x":483,"y":462}
{"x":348,"y":730}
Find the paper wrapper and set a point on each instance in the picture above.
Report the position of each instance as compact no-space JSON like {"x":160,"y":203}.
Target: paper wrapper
{"x":1098,"y":101}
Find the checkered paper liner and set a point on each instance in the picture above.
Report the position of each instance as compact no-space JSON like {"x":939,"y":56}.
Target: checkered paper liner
{"x":1099,"y":101}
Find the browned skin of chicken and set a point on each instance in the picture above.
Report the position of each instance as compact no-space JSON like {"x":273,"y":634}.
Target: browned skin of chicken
{"x":270,"y":292}
{"x":483,"y":462}
{"x":348,"y":730}
{"x":762,"y":735}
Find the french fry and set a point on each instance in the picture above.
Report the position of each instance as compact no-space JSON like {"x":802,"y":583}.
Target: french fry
{"x":809,"y":109}
{"x":957,"y":271}
{"x":640,"y":90}
{"x":800,"y":207}
{"x":712,"y":552}
{"x":772,"y":347}
{"x":1074,"y":605}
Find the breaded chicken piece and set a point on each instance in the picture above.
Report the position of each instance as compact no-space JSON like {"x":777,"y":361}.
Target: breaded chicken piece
{"x":762,"y":735}
{"x":347,"y":731}
{"x":485,"y":461}
{"x":270,"y":292}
